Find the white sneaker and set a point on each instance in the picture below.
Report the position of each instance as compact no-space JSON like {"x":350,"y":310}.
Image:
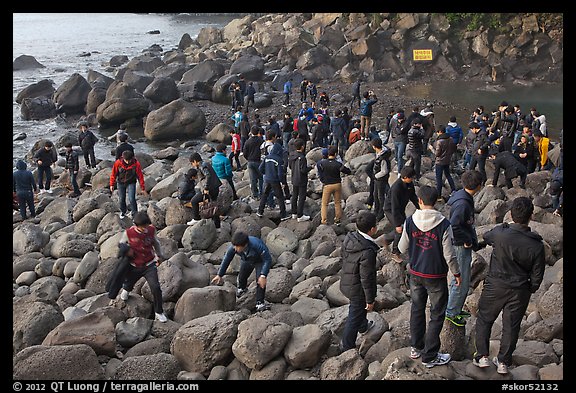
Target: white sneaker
{"x":122,"y":215}
{"x":501,"y":368}
{"x":303,"y":218}
{"x":294,"y":216}
{"x":124,"y":294}
{"x":49,"y":191}
{"x":441,"y":359}
{"x":260,"y":215}
{"x":42,"y":191}
{"x":284,"y":218}
{"x":262,"y":306}
{"x":192,"y":222}
{"x":415,"y":353}
{"x":483,"y":362}
{"x":161,"y":317}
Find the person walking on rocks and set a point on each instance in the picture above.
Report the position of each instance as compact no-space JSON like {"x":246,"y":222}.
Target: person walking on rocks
{"x":287,"y":92}
{"x":465,"y":241}
{"x":358,"y":277}
{"x":250,"y":96}
{"x":211,"y":187}
{"x":223,"y":167}
{"x":304,"y":90}
{"x":445,"y":148}
{"x":381,"y":168}
{"x":123,"y":146}
{"x":252,"y":154}
{"x":45,"y":159}
{"x":73,"y":166}
{"x":366,"y":113}
{"x":415,"y":147}
{"x":235,"y":149}
{"x":329,"y":170}
{"x":515,"y":272}
{"x":427,"y":236}
{"x":87,"y":140}
{"x":355,"y":94}
{"x":254,"y":256}
{"x":24,"y":187}
{"x":299,"y":169}
{"x":125,"y":172}
{"x":146,"y":255}
{"x":479,"y":151}
{"x":273,"y":170}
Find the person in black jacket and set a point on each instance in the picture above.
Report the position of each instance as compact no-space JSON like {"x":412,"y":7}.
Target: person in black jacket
{"x":415,"y":147}
{"x":252,"y":154}
{"x":187,"y":187}
{"x":123,"y":146}
{"x":504,"y":159}
{"x":358,"y":278}
{"x":329,"y":170}
{"x":427,"y":236}
{"x":299,"y":169}
{"x":381,"y":168}
{"x":465,"y":241}
{"x":274,"y":176}
{"x":211,"y":188}
{"x":401,"y":192}
{"x":515,"y":271}
{"x":87,"y":140}
{"x":479,"y":151}
{"x":73,"y":166}
{"x":45,"y":158}
{"x":526,"y":152}
{"x":24,"y":187}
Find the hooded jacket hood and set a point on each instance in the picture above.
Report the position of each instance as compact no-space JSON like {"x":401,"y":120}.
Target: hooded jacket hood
{"x":460,"y":196}
{"x":276,"y":149}
{"x":21,"y":165}
{"x":427,"y":219}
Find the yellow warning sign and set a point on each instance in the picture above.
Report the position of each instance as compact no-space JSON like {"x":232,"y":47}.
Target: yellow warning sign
{"x":422,"y":54}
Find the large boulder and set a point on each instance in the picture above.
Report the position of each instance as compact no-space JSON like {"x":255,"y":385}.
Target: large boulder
{"x":208,"y":71}
{"x":43,"y":88}
{"x":26,"y":62}
{"x":162,"y":90}
{"x":250,"y":66}
{"x":37,"y":108}
{"x":178,"y":119}
{"x":72,"y":95}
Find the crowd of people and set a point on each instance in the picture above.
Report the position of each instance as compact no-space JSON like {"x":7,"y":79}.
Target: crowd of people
{"x":275,"y":158}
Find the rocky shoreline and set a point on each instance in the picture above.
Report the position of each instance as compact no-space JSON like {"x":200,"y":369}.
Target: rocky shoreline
{"x":64,"y":327}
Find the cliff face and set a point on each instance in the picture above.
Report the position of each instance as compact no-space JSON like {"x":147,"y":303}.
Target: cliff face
{"x":381,"y":46}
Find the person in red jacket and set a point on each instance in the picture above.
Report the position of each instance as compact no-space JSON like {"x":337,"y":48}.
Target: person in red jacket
{"x":145,"y":255}
{"x":236,"y":149}
{"x":125,"y":172}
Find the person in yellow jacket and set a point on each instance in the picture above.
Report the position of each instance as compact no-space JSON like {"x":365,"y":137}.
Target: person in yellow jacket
{"x":543,"y":144}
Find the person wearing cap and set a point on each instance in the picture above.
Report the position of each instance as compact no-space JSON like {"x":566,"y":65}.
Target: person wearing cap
{"x":479,"y":150}
{"x":87,"y":140}
{"x":415,"y":146}
{"x":400,"y":138}
{"x":542,"y":143}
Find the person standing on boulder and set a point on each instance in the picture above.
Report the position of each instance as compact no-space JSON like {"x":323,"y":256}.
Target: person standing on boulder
{"x":125,"y":172}
{"x":45,"y":158}
{"x":427,"y":236}
{"x":515,"y":272}
{"x":358,"y":278}
{"x":250,"y":96}
{"x":87,"y":140}
{"x":366,"y":113}
{"x":355,"y":94}
{"x":73,"y":166}
{"x":211,"y":187}
{"x":254,"y":255}
{"x":24,"y":187}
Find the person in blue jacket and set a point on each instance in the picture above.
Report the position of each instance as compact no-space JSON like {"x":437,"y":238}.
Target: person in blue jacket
{"x":24,"y":186}
{"x":366,"y":113}
{"x":272,"y":167}
{"x":287,"y":92}
{"x":254,"y":255}
{"x":223,"y":167}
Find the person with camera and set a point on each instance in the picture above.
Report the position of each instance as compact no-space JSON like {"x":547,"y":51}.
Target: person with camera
{"x":366,"y":113}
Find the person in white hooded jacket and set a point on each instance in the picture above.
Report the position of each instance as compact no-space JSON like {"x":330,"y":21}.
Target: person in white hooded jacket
{"x":427,"y":236}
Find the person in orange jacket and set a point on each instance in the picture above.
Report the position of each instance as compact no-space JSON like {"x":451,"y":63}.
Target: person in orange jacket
{"x":543,"y":144}
{"x":125,"y":172}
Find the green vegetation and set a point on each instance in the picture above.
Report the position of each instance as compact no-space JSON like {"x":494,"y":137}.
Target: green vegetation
{"x":474,"y":20}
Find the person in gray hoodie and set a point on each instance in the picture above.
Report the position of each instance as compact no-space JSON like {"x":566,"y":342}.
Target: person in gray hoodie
{"x":24,"y":186}
{"x":427,"y":236}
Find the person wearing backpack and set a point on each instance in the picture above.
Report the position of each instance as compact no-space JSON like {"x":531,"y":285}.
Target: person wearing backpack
{"x":87,"y":140}
{"x":125,"y":172}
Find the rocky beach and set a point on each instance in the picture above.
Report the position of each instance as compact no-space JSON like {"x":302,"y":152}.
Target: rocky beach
{"x":63,"y":325}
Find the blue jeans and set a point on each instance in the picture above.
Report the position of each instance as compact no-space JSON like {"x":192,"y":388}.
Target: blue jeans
{"x":74,"y":182}
{"x":400,"y":148}
{"x":427,"y":338}
{"x":256,"y":178}
{"x":446,"y":170}
{"x":458,"y":294}
{"x":131,"y":188}
{"x":286,"y":136}
{"x":355,"y":322}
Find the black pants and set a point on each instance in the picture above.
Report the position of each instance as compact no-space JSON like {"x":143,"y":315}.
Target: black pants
{"x":380,"y":189}
{"x":231,"y":182}
{"x":513,"y":304}
{"x":298,"y":199}
{"x":246,"y":268}
{"x":277,"y":188}
{"x":44,"y":171}
{"x":89,"y":157}
{"x":355,"y":322}
{"x":422,"y":337}
{"x":236,"y":157}
{"x":481,"y":161}
{"x":415,"y":156}
{"x":199,"y":197}
{"x":150,"y":273}
{"x":392,"y":236}
{"x":26,"y":198}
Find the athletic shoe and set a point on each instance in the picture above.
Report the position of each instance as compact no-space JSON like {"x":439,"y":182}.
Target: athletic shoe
{"x":501,"y":368}
{"x":370,"y":325}
{"x":440,"y":360}
{"x":192,"y":222}
{"x":284,"y":218}
{"x":260,"y":214}
{"x":49,"y":191}
{"x":303,"y":218}
{"x":397,"y":258}
{"x":415,"y":353}
{"x":240,"y":292}
{"x":261,"y":306}
{"x":456,"y":320}
{"x":465,"y":314}
{"x":337,"y":223}
{"x":161,"y":317}
{"x":294,"y":216}
{"x":122,"y":215}
{"x":124,"y":294}
{"x":483,"y":362}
